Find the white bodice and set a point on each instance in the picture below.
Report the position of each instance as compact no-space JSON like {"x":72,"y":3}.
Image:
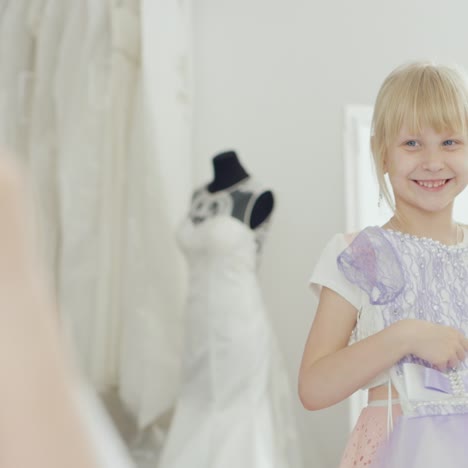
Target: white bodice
{"x":219,"y":222}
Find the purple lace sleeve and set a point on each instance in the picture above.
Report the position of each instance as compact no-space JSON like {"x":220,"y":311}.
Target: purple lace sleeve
{"x":371,"y":263}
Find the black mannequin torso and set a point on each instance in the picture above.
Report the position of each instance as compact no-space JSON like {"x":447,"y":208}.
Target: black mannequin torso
{"x":228,"y":172}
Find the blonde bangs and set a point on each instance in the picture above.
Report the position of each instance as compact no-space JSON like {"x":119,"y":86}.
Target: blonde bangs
{"x":439,"y":102}
{"x":419,"y":96}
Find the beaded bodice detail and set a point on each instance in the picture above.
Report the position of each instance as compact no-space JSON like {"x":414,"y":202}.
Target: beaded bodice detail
{"x":408,"y":277}
{"x":236,"y":202}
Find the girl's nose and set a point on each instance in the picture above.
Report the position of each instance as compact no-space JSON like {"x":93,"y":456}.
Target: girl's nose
{"x":433,"y":160}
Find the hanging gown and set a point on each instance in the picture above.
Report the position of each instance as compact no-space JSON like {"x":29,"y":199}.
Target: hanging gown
{"x":233,"y":406}
{"x":16,"y":76}
{"x":46,"y":20}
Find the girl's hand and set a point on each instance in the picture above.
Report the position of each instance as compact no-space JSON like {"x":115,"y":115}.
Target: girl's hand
{"x":442,"y":346}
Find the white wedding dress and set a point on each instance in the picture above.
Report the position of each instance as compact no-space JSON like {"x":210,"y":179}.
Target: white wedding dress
{"x":233,"y":408}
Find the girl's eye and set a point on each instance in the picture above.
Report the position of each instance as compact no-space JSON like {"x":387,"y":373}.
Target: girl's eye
{"x":411,"y":143}
{"x":449,"y":143}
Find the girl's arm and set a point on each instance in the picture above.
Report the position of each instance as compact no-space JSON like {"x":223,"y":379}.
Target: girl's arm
{"x":330,"y":369}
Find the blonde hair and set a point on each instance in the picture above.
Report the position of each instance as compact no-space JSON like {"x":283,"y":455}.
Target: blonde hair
{"x":417,"y":95}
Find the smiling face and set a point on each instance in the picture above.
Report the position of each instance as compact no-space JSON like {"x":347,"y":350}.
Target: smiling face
{"x":427,"y":169}
{"x":414,"y":109}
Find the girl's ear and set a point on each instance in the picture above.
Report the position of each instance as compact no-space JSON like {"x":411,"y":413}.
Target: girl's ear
{"x":373,"y":149}
{"x":384,"y":167}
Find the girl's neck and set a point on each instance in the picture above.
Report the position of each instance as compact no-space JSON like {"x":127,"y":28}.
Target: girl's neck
{"x":437,"y":226}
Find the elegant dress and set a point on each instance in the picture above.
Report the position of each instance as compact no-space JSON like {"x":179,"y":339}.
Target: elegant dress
{"x":79,"y":77}
{"x":233,"y":406}
{"x":390,"y":276}
{"x":46,"y":19}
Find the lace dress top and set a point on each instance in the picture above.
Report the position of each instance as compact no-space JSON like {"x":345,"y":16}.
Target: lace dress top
{"x":407,"y":277}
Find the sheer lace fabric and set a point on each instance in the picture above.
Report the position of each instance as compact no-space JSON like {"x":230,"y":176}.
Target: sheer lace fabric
{"x":407,"y":277}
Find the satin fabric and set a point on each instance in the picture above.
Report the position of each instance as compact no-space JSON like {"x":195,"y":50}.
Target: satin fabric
{"x":426,"y":442}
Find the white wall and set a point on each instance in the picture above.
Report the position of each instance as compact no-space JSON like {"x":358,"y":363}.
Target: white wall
{"x":271,"y":81}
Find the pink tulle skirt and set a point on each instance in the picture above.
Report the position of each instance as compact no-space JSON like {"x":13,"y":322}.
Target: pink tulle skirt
{"x":368,"y":436}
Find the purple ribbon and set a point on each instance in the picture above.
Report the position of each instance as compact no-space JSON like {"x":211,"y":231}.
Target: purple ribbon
{"x":436,"y":380}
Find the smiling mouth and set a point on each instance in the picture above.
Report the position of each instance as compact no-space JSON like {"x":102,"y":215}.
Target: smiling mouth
{"x":432,"y":184}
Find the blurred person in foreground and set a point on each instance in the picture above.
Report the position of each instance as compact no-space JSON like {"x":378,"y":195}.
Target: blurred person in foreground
{"x":49,"y":417}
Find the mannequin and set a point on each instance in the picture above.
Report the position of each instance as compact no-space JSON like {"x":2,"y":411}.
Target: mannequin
{"x":233,"y":405}
{"x":228,"y":172}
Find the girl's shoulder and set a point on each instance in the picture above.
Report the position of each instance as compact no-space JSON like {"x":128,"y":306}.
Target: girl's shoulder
{"x":328,"y":271}
{"x":343,"y":241}
{"x":371,"y":262}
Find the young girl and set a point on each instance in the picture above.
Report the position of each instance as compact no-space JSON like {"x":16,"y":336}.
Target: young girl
{"x":393,"y":310}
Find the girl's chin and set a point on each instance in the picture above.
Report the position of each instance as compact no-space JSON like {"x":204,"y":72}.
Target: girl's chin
{"x":424,"y":206}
